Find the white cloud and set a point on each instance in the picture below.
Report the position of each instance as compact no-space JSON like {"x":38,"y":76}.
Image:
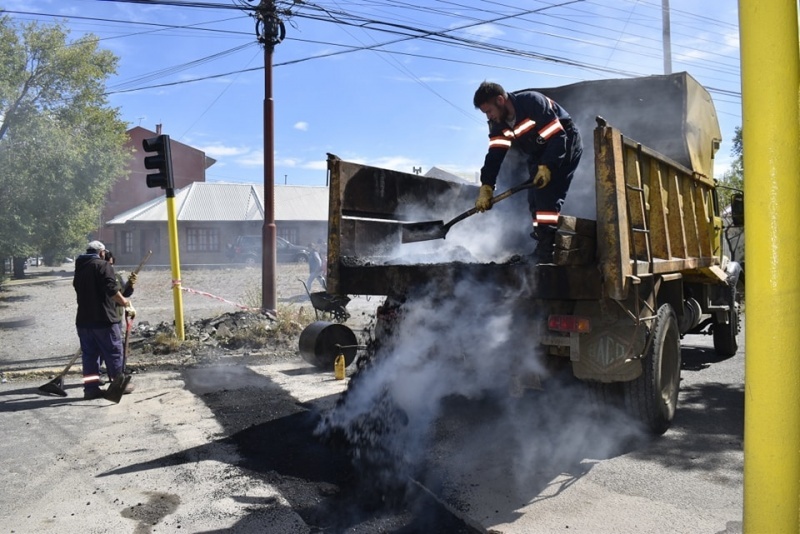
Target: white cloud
{"x":221,"y":151}
{"x":301,"y":125}
{"x":484,"y":32}
{"x":287,"y":162}
{"x":399,"y":163}
{"x":731,"y":40}
{"x":318,"y":165}
{"x":252,"y":159}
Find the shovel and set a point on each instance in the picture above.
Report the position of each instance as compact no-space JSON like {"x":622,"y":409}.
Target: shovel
{"x":430,"y":230}
{"x":117,"y":388}
{"x":56,"y":385}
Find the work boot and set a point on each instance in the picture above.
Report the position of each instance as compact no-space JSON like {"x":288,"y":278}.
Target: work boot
{"x":93,"y":393}
{"x":545,"y":246}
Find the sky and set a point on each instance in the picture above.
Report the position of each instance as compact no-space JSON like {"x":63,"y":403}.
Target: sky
{"x":387,"y":83}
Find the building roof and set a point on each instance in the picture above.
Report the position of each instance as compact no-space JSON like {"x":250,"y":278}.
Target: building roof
{"x":203,"y":201}
{"x":441,"y":174}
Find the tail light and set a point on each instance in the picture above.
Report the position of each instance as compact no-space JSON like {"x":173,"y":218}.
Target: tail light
{"x":569,"y":323}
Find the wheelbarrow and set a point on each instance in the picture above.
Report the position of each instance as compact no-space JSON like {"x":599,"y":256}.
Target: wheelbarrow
{"x":324,"y":302}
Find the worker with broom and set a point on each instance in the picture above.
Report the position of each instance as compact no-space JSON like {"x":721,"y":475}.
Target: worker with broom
{"x":97,"y":321}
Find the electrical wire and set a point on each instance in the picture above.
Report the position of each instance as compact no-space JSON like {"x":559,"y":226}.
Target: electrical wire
{"x":406,"y":32}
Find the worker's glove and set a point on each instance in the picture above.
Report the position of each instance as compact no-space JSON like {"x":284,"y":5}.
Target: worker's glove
{"x":132,"y":279}
{"x":484,"y":201}
{"x":130,"y":311}
{"x":542,"y":177}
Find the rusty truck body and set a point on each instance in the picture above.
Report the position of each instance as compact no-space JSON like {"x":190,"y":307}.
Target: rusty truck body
{"x":638,"y":267}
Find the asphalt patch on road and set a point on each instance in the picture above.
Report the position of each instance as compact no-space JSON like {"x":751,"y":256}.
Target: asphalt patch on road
{"x":274,"y":434}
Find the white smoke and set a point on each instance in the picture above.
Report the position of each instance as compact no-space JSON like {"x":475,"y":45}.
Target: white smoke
{"x":468,"y":343}
{"x":493,"y":236}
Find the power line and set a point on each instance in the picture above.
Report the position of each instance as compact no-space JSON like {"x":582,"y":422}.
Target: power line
{"x":196,"y":26}
{"x":342,"y":18}
{"x":175,"y":69}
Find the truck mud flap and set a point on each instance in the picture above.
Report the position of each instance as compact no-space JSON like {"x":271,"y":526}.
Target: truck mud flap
{"x":612,"y":353}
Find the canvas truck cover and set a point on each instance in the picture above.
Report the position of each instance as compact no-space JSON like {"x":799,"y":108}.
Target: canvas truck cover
{"x":672,"y":114}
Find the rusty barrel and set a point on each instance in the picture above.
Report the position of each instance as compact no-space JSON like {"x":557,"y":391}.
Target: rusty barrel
{"x":319,"y":340}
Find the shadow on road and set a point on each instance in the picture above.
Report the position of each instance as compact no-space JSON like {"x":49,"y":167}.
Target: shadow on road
{"x":274,"y":434}
{"x":516,"y":451}
{"x":22,"y":399}
{"x":697,"y":358}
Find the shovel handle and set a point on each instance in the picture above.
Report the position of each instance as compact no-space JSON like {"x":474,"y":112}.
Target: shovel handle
{"x":70,"y":364}
{"x":502,"y":196}
{"x":516,"y":189}
{"x":144,"y":260}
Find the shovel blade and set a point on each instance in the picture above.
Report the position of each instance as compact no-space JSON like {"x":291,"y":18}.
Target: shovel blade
{"x":117,"y":388}
{"x":54,"y":387}
{"x":424,"y":231}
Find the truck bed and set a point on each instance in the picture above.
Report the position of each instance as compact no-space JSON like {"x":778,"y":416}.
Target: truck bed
{"x":654,"y":217}
{"x":534,"y":281}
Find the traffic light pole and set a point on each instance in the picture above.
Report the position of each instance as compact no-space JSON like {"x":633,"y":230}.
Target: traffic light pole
{"x":161,"y":162}
{"x":270,"y":31}
{"x":175,"y":261}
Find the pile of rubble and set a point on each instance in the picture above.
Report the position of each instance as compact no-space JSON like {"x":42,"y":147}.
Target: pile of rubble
{"x":229,"y":331}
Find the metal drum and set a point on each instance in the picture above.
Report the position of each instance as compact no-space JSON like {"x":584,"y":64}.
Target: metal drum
{"x":319,"y":340}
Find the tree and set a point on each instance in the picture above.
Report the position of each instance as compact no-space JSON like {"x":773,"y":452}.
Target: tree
{"x":734,"y":177}
{"x":732,"y":182}
{"x":61,"y":146}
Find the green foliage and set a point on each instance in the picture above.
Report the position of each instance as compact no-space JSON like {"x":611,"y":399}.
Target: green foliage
{"x":61,"y":146}
{"x":734,"y":176}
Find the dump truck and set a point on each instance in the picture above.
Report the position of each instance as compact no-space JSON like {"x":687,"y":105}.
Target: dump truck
{"x":638,"y":264}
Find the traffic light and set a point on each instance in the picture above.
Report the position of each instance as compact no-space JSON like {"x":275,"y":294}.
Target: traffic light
{"x":162,"y":161}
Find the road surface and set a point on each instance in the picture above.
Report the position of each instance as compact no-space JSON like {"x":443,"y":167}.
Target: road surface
{"x":229,"y":447}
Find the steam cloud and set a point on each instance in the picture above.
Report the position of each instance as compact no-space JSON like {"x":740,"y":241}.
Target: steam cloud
{"x":467,"y":344}
{"x":464,"y":345}
{"x":493,"y":236}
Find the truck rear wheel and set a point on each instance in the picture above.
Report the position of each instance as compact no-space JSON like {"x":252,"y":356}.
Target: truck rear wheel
{"x":725,"y":342}
{"x":653,"y":396}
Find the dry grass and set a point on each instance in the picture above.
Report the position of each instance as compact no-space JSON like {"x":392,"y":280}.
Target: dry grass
{"x":290,"y":322}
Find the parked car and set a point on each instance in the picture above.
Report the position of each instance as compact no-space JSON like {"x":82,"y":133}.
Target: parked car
{"x":247,"y":249}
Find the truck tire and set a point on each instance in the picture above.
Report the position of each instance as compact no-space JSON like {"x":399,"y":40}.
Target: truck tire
{"x":725,"y":342}
{"x":603,"y":394}
{"x":653,"y":396}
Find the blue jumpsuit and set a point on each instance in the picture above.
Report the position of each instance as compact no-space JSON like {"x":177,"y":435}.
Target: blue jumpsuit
{"x":544,"y":132}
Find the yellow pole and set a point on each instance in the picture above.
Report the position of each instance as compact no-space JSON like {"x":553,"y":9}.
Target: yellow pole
{"x":175,"y":260}
{"x":771,"y":142}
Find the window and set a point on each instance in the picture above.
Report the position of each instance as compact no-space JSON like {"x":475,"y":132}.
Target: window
{"x":127,"y":242}
{"x":202,"y":239}
{"x":289,"y":234}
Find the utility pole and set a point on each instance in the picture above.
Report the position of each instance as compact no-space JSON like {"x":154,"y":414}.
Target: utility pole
{"x":270,"y":31}
{"x":665,"y":37}
{"x":770,"y":76}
